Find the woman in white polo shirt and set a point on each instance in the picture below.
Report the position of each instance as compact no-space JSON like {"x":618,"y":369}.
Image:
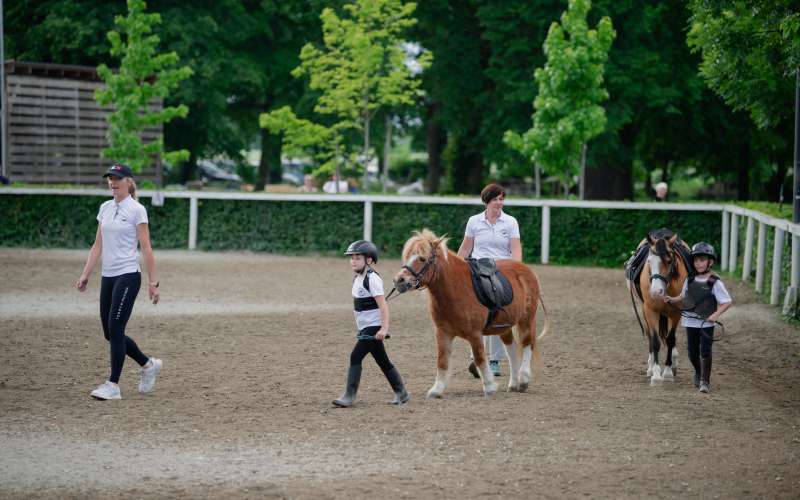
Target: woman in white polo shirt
{"x":122,"y":226}
{"x":492,"y":234}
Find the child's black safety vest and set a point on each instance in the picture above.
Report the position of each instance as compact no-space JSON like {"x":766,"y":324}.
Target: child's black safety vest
{"x":700,"y":297}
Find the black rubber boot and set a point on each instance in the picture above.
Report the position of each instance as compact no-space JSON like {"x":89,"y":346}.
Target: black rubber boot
{"x":695,"y":361}
{"x":349,"y":397}
{"x":401,"y":396}
{"x":705,"y":374}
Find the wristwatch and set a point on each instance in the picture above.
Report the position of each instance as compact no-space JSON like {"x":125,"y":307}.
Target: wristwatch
{"x":154,"y":284}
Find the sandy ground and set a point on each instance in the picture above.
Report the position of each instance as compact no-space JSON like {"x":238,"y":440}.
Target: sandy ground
{"x":256,"y":346}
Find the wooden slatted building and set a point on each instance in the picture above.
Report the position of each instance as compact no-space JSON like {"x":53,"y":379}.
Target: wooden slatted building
{"x":56,"y":130}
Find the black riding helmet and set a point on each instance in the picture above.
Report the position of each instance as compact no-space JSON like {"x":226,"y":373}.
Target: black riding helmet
{"x":703,"y":248}
{"x":363,"y":247}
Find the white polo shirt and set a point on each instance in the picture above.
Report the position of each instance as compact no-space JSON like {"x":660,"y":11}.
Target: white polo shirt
{"x":118,"y":223}
{"x":492,"y":240}
{"x":371,"y":317}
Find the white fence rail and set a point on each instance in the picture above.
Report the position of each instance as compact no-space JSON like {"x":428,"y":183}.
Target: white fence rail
{"x":732,"y":216}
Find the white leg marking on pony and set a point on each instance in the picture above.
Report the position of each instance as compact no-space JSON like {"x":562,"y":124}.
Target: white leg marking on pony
{"x":650,"y":360}
{"x":489,"y":385}
{"x":667,"y":374}
{"x":525,"y":369}
{"x":513,"y":363}
{"x":442,"y":377}
{"x":674,"y":358}
{"x":656,"y":378}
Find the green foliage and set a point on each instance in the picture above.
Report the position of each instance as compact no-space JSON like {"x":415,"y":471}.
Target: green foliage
{"x":50,"y":221}
{"x":750,"y":51}
{"x":604,"y":237}
{"x":567,"y":109}
{"x":360,"y":69}
{"x":143,"y":76}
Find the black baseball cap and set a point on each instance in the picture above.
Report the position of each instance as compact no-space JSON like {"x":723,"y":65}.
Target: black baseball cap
{"x":118,"y":170}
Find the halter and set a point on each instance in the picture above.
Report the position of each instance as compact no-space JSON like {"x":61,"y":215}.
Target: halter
{"x":671,"y":271}
{"x":418,"y":275}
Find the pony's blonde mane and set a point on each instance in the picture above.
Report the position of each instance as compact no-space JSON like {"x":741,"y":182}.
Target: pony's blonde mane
{"x":421,"y":243}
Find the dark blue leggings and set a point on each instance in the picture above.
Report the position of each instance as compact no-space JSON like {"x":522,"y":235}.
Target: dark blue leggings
{"x":117,"y":295}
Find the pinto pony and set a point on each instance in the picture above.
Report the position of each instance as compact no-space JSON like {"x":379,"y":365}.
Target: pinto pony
{"x":456,"y":311}
{"x":663,"y":273}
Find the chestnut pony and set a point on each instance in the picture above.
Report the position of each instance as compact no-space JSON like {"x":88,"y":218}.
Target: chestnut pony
{"x":664,"y":273}
{"x":456,"y":311}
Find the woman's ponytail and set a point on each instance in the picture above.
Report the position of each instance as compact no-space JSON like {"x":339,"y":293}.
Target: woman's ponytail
{"x":132,"y":188}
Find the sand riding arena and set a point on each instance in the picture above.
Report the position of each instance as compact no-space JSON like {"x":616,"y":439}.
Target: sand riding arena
{"x":256,"y":346}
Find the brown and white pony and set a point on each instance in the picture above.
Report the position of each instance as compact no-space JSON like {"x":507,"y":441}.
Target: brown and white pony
{"x":456,"y":311}
{"x":663,"y":273}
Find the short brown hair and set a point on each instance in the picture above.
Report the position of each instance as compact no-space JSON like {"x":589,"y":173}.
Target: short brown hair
{"x":491,"y":192}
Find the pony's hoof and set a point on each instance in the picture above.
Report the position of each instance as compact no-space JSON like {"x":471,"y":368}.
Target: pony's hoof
{"x":434,"y":394}
{"x":490,"y":390}
{"x":523,"y":386}
{"x":668,"y":375}
{"x":513,"y":388}
{"x":655,"y":380}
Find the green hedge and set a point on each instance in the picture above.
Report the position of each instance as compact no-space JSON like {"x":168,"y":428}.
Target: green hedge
{"x":287,"y":227}
{"x":578,"y":236}
{"x":54,"y":221}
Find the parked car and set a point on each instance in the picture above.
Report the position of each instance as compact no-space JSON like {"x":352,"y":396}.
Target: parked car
{"x":210,"y":172}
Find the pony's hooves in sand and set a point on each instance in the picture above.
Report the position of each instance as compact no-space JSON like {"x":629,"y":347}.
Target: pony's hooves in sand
{"x":523,"y":386}
{"x":434,"y":395}
{"x":655,"y":381}
{"x":513,"y":388}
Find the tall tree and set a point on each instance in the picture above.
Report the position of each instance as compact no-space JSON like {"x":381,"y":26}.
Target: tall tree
{"x":143,"y":75}
{"x":568,"y":112}
{"x":751,"y":51}
{"x":360,"y":69}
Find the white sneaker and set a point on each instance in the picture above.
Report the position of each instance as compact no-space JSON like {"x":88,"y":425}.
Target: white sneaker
{"x":147,"y":376}
{"x":107,"y":390}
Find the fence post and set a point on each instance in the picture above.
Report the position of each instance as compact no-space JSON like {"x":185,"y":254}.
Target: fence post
{"x":545,"y":234}
{"x":733,"y":251}
{"x":761,"y":260}
{"x":368,"y":220}
{"x":723,"y":265}
{"x":795,"y":261}
{"x":747,"y":268}
{"x":192,"y":222}
{"x":777,"y":257}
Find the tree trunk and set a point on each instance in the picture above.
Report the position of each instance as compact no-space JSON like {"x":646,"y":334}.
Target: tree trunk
{"x":387,"y":145}
{"x":537,"y":175}
{"x":582,"y":179}
{"x":189,"y":167}
{"x":434,"y":143}
{"x":610,"y":176}
{"x":365,"y":154}
{"x":269,"y":165}
{"x":743,"y":172}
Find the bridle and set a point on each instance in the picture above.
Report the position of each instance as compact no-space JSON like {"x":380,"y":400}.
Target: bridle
{"x":670,"y":272}
{"x":418,"y":275}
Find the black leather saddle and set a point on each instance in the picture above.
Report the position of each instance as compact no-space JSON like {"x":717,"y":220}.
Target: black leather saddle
{"x":492,"y":289}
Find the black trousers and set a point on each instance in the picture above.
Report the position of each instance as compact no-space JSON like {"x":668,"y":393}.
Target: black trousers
{"x":372,"y":346}
{"x":699,"y":342}
{"x":117,"y":295}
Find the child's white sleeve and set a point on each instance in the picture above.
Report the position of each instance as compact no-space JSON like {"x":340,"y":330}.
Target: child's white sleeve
{"x":721,"y":293}
{"x":375,"y":285}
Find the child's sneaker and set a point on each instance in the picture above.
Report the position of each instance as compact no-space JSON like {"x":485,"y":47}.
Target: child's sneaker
{"x":147,"y":376}
{"x":107,"y":390}
{"x":495,"y":366}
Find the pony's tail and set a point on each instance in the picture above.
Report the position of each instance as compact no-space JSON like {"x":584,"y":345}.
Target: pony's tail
{"x":546,"y":321}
